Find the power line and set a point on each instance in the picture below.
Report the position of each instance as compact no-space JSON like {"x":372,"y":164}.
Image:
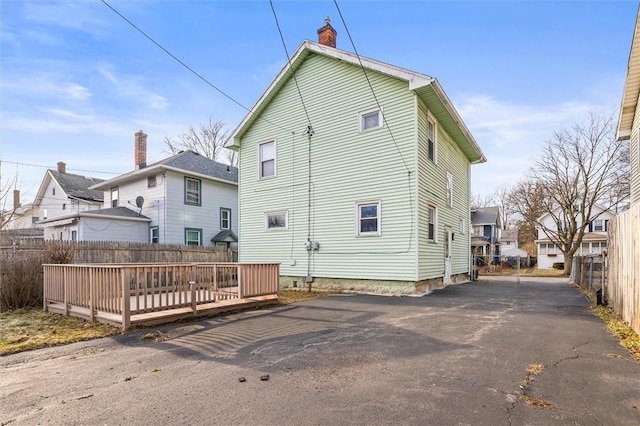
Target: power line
{"x":53,"y":168}
{"x":371,"y":86}
{"x":289,"y":62}
{"x":185,"y":65}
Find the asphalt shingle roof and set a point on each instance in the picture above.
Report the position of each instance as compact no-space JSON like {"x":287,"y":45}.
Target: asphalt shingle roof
{"x":116,"y":211}
{"x":224,"y":235}
{"x":196,"y":163}
{"x":485,"y":216}
{"x":78,"y":186}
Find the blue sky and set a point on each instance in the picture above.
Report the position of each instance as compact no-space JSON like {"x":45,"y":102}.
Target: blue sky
{"x":77,"y":81}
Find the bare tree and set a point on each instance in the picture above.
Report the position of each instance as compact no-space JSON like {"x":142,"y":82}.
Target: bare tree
{"x":527,"y":200}
{"x":578,"y":169}
{"x":6,"y":198}
{"x":507,"y":211}
{"x":481,"y":201}
{"x":207,"y":140}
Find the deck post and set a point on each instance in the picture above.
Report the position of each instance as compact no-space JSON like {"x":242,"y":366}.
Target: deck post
{"x":126,"y":301}
{"x":46,"y":273}
{"x":240,"y":283}
{"x":92,"y":293}
{"x":66,"y":290}
{"x":194,"y":304}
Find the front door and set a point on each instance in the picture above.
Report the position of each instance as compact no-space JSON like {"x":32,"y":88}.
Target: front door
{"x":447,"y":256}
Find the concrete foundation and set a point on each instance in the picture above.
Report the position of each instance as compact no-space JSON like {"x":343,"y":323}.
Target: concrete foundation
{"x":381,"y":287}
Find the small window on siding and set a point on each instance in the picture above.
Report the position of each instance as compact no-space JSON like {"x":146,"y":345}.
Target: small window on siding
{"x":276,"y":221}
{"x":432,"y":132}
{"x":64,"y":206}
{"x":462,"y":226}
{"x":370,"y":119}
{"x":192,"y":189}
{"x":193,"y":236}
{"x":368,"y":218}
{"x":154,"y":234}
{"x":225,"y":218}
{"x":114,"y":196}
{"x":151,"y":181}
{"x":432,"y":219}
{"x":267,"y":159}
{"x":53,"y":191}
{"x":74,"y":235}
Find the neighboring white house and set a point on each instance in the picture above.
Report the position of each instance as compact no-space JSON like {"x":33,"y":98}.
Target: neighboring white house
{"x":21,"y":216}
{"x":62,"y":194}
{"x":509,"y":244}
{"x":594,"y":240}
{"x":184,"y":199}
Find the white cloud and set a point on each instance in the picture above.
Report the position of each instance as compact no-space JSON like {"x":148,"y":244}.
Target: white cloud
{"x":132,"y":87}
{"x":79,"y":16}
{"x":511,"y":135}
{"x":46,"y":85}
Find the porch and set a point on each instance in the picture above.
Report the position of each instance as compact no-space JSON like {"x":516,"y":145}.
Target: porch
{"x":126,"y":295}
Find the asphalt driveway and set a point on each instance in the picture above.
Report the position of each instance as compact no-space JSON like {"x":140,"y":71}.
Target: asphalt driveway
{"x":457,"y":356}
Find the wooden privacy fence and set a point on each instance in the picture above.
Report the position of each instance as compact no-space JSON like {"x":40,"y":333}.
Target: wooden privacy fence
{"x":117,"y":251}
{"x":623,"y":285}
{"x":129,"y":294}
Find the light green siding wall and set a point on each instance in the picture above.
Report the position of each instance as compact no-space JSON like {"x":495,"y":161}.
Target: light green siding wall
{"x":347,"y":166}
{"x":432,"y":191}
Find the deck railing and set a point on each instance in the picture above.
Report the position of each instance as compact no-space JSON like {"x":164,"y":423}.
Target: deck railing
{"x":107,"y":290}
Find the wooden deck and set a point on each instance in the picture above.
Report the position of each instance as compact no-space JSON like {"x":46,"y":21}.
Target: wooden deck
{"x":144,"y":294}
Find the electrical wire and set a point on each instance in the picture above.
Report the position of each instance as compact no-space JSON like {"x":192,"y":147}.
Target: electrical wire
{"x":364,"y":71}
{"x":54,"y":168}
{"x":304,"y":107}
{"x":194,"y":72}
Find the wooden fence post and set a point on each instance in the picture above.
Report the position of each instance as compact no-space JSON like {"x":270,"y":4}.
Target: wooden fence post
{"x":66,"y":290}
{"x":92,"y":294}
{"x":126,"y":301}
{"x":194,"y":304}
{"x":240,"y":283}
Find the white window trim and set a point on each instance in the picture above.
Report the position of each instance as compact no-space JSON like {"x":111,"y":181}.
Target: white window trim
{"x":286,"y":221}
{"x":435,"y":223}
{"x":275,"y":159}
{"x":431,"y":118}
{"x":463,"y":226}
{"x":378,"y":218}
{"x":368,"y":111}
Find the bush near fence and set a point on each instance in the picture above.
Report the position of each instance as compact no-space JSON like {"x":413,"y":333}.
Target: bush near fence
{"x":21,"y":277}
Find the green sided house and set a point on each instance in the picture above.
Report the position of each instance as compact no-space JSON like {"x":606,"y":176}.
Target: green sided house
{"x":355,"y":175}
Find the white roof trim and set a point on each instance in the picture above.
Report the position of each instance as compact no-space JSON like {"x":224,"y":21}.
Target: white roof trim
{"x":631,"y":90}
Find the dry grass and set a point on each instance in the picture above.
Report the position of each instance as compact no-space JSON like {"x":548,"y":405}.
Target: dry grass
{"x":292,"y":296}
{"x":538,"y":402}
{"x":628,"y":338}
{"x":32,"y":328}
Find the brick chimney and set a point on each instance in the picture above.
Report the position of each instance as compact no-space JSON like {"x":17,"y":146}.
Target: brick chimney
{"x":16,"y":199}
{"x":327,"y":35}
{"x":62,"y":167}
{"x":140,"y":150}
